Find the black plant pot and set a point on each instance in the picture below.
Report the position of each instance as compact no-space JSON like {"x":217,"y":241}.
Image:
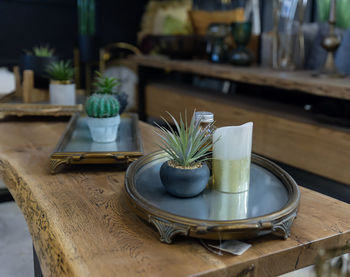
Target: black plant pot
{"x":184,"y":182}
{"x":39,"y":66}
{"x":88,"y":48}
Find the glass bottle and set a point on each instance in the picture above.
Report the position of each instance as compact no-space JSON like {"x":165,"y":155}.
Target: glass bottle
{"x":207,"y":119}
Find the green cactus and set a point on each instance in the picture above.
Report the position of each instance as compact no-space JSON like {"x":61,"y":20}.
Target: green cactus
{"x":102,"y":105}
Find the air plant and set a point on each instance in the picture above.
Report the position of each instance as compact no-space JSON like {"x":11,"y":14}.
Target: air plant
{"x":187,"y":145}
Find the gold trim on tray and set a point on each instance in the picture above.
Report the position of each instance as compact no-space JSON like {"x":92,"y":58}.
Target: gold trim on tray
{"x":59,"y":158}
{"x":61,"y":82}
{"x":170,"y":225}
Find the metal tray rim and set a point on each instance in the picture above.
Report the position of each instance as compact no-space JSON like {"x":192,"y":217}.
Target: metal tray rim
{"x":201,"y":228}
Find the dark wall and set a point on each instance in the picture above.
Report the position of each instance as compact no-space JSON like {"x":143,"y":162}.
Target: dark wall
{"x":25,"y":23}
{"x":120,"y":20}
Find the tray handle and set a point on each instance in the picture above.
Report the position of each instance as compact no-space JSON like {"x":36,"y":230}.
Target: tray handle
{"x":235,"y":227}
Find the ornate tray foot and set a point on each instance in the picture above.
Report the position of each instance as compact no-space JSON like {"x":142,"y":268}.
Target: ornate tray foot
{"x":282,"y":229}
{"x":57,"y":164}
{"x":168,"y":230}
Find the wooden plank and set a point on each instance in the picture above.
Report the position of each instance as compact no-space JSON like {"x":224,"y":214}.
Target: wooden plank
{"x":31,"y":94}
{"x":298,"y":80}
{"x":291,"y":139}
{"x":18,"y":89}
{"x":81,"y":225}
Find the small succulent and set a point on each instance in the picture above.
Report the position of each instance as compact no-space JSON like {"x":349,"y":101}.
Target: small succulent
{"x":105,"y":85}
{"x":102,"y":106}
{"x":187,"y":145}
{"x":61,"y":71}
{"x":42,"y":51}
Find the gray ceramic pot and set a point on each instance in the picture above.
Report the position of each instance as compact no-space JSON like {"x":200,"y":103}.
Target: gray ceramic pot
{"x":184,"y":182}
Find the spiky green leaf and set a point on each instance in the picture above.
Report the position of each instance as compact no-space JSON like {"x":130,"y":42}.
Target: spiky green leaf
{"x":105,"y":85}
{"x":61,"y":71}
{"x":187,"y":144}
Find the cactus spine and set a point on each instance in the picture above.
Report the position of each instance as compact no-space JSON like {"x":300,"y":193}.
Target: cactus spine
{"x":102,"y":106}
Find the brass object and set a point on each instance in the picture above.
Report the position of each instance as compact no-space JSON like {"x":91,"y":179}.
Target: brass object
{"x":61,"y":82}
{"x":105,"y":52}
{"x":331,"y":43}
{"x":88,"y":84}
{"x":170,"y":224}
{"x":76,"y":62}
{"x":98,"y":155}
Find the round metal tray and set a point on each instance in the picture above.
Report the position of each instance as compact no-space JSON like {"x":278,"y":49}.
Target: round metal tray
{"x":269,"y":206}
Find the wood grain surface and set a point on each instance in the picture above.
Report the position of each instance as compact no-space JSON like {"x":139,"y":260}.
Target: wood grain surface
{"x":298,"y":80}
{"x":283,"y":135}
{"x":81,"y":225}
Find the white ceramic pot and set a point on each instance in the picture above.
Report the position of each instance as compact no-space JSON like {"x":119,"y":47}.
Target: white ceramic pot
{"x":104,"y":129}
{"x":62,"y":94}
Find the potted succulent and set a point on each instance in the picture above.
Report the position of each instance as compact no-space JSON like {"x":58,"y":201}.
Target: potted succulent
{"x":102,"y":109}
{"x":113,"y":84}
{"x":37,"y":60}
{"x":185,"y":174}
{"x":62,"y":88}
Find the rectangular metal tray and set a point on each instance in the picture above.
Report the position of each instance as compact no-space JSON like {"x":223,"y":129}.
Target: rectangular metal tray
{"x":77,"y":147}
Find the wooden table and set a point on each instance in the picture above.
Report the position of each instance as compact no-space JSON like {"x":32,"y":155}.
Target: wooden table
{"x":81,"y":225}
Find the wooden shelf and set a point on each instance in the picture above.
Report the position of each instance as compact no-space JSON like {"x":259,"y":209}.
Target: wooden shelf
{"x":299,"y":80}
{"x":281,"y":132}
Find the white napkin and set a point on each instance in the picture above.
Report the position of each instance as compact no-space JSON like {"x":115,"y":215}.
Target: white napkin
{"x":233,"y":247}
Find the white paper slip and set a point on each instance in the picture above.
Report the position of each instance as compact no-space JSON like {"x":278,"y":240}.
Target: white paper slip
{"x":234,"y":247}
